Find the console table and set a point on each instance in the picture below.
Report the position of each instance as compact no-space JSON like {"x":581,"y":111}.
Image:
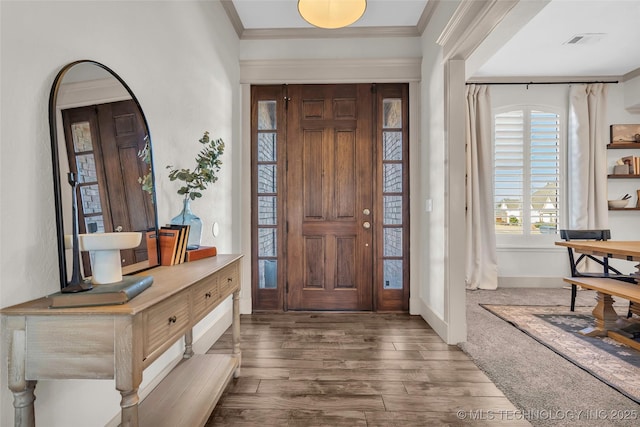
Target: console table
{"x":120,"y":341}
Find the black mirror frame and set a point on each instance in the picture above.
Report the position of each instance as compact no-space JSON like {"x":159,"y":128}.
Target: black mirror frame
{"x":57,"y":188}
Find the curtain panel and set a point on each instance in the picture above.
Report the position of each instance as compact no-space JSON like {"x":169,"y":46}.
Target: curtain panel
{"x":481,"y":256}
{"x":587,"y":157}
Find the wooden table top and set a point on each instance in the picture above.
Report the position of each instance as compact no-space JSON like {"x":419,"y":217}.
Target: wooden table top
{"x":622,"y":249}
{"x":167,"y":281}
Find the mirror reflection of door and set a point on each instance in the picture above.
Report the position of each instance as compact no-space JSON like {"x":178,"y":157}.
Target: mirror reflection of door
{"x":103,"y":144}
{"x":330,"y":217}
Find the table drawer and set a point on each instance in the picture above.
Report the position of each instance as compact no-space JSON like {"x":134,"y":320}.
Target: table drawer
{"x":229,"y":279}
{"x":205,"y":296}
{"x":164,"y":321}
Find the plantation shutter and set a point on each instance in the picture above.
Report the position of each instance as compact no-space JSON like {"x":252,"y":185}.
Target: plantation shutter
{"x":526,"y":172}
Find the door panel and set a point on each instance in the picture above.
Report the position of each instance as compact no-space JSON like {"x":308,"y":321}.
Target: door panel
{"x":329,"y":152}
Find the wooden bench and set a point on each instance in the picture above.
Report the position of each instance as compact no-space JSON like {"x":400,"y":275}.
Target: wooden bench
{"x":606,"y":318}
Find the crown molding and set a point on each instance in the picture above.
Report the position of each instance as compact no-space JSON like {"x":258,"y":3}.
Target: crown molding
{"x":233,"y":16}
{"x":426,"y":16}
{"x":631,"y":75}
{"x":320,"y":33}
{"x":470,"y":24}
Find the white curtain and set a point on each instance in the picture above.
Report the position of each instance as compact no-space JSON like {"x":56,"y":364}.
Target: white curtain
{"x":481,"y":257}
{"x":587,"y":157}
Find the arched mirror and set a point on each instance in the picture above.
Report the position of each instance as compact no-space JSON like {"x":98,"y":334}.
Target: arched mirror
{"x":100,"y":135}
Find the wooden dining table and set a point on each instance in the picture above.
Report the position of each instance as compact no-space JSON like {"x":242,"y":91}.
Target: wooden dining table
{"x":628,"y":250}
{"x":620,"y":249}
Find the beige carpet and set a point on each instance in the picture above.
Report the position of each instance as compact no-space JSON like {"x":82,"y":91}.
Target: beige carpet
{"x":535,"y":378}
{"x":557,"y":328}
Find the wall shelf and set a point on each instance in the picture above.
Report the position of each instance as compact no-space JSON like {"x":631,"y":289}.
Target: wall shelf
{"x":623,"y":146}
{"x":624,"y":209}
{"x":627,"y":176}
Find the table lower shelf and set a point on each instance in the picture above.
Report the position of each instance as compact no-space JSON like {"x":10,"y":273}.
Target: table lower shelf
{"x":187,"y":396}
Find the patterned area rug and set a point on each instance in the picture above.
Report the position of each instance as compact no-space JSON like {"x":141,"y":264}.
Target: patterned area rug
{"x":557,"y":328}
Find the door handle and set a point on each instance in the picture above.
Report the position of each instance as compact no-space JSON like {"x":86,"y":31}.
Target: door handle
{"x":366,"y":225}
{"x":118,"y":229}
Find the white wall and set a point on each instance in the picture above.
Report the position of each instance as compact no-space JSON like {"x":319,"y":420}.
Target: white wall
{"x":430,"y":171}
{"x":541,"y":264}
{"x":623,"y":225}
{"x":632,"y":94}
{"x":181,"y":60}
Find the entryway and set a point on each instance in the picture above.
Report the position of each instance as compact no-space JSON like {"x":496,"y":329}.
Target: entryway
{"x":330,"y":197}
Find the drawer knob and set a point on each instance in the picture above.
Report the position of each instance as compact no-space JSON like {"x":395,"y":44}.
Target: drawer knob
{"x":173,"y":319}
{"x":207,"y":295}
{"x":229,"y":279}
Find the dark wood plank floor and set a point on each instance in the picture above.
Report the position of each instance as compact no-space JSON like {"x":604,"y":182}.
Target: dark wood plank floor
{"x":361,"y":369}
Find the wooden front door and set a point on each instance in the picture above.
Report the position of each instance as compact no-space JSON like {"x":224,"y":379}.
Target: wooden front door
{"x":329,"y":197}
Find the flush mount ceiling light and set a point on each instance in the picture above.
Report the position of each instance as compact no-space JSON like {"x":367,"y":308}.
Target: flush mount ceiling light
{"x":331,"y":13}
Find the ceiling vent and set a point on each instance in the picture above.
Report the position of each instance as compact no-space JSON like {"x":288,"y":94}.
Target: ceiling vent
{"x":586,"y":38}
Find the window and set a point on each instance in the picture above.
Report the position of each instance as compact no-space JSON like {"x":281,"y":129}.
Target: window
{"x":527,"y":172}
{"x":267,"y":194}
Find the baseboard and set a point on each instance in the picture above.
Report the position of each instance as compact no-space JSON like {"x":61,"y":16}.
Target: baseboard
{"x":437,"y":324}
{"x":530,"y":282}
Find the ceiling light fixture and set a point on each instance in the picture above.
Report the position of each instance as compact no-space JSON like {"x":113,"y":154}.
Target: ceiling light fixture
{"x":331,"y":13}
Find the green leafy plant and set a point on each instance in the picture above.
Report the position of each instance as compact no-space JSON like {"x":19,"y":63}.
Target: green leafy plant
{"x":208,"y":164}
{"x":145,"y":154}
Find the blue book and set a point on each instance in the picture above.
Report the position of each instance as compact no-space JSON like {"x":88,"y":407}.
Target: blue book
{"x":105,"y":294}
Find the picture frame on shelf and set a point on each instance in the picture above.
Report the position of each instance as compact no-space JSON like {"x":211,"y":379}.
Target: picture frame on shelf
{"x":625,"y":133}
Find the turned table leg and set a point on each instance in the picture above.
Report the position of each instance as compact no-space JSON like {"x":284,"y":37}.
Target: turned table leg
{"x":605,"y":316}
{"x":23,"y":404}
{"x":128,"y":363}
{"x":14,"y":341}
{"x":129,"y":408}
{"x":188,"y":344}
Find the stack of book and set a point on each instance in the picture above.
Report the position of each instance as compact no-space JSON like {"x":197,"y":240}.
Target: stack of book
{"x":173,"y":244}
{"x":634,"y":164}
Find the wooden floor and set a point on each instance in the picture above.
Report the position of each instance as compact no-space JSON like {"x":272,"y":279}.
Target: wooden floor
{"x":362,"y":369}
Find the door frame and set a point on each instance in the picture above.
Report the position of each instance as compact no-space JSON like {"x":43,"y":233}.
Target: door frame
{"x":399,"y":70}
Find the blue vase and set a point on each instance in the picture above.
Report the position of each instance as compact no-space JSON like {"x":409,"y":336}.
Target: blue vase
{"x":186,"y":217}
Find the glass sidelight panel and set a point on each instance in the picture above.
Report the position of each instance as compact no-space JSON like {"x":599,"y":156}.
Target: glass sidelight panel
{"x":94,"y":224}
{"x":392,"y":178}
{"x":392,"y":113}
{"x":267,"y":179}
{"x":267,"y":119}
{"x":90,"y":197}
{"x":267,"y":210}
{"x":392,"y":274}
{"x":265,"y":203}
{"x":392,"y":209}
{"x":392,"y":145}
{"x":392,"y":242}
{"x":267,"y":242}
{"x":267,"y":147}
{"x":86,"y":165}
{"x":81,"y":135}
{"x":268,"y":274}
{"x":394,"y":200}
